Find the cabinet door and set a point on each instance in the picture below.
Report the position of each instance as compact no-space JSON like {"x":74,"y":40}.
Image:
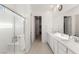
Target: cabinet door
{"x":70,"y":52}
{"x":48,"y":39}
{"x":55,"y":47}
{"x":51,"y":43}
{"x":61,"y":49}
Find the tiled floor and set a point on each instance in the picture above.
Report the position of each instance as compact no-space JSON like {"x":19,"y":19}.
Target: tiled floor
{"x":40,"y":48}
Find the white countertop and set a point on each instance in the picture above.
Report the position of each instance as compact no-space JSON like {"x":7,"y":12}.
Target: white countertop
{"x":70,"y":44}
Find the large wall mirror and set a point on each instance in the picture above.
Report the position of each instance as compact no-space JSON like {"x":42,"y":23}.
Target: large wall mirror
{"x":68,"y":25}
{"x":71,"y":25}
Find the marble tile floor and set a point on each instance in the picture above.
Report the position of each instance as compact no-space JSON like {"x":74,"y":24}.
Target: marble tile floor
{"x":40,"y":48}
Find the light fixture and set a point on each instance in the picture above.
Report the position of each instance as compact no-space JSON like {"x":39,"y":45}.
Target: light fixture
{"x":59,"y":7}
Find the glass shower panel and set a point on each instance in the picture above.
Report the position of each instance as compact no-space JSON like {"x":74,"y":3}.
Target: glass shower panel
{"x":19,"y":34}
{"x":6,"y":31}
{"x":2,"y":9}
{"x":11,"y":47}
{"x":12,"y":39}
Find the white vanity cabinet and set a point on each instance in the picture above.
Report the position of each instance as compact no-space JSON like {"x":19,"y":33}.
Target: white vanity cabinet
{"x":50,"y":42}
{"x":55,"y":46}
{"x":61,"y":46}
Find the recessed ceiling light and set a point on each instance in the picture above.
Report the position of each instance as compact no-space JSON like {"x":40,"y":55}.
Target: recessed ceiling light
{"x":59,"y":7}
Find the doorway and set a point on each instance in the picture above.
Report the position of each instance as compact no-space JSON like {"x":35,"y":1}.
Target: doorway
{"x":38,"y":27}
{"x":68,"y":25}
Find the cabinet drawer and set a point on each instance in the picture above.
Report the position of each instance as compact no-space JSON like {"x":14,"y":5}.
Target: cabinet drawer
{"x":62,"y":47}
{"x":70,"y":52}
{"x":55,"y":46}
{"x":50,"y":42}
{"x":60,"y":51}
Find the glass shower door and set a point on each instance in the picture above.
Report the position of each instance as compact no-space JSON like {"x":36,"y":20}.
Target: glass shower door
{"x":19,"y":35}
{"x":6,"y":31}
{"x":12,"y":39}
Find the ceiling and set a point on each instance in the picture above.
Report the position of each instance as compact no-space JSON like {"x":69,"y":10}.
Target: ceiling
{"x":37,"y":8}
{"x":42,"y":7}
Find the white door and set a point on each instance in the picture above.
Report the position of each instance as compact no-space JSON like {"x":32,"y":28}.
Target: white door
{"x":19,"y":35}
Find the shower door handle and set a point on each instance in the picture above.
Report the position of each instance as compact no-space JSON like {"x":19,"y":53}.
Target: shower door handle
{"x":14,"y":39}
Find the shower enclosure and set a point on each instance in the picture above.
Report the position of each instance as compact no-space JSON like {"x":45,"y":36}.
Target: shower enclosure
{"x":12,"y":33}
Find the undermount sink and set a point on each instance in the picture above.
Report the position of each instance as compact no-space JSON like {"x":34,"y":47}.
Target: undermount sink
{"x":74,"y":38}
{"x":62,"y":36}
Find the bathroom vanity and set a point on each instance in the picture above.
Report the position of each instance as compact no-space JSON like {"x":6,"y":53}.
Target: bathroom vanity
{"x":62,"y":44}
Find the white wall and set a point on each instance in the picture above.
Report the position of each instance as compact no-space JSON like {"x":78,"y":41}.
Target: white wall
{"x":57,"y":25}
{"x":46,"y":24}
